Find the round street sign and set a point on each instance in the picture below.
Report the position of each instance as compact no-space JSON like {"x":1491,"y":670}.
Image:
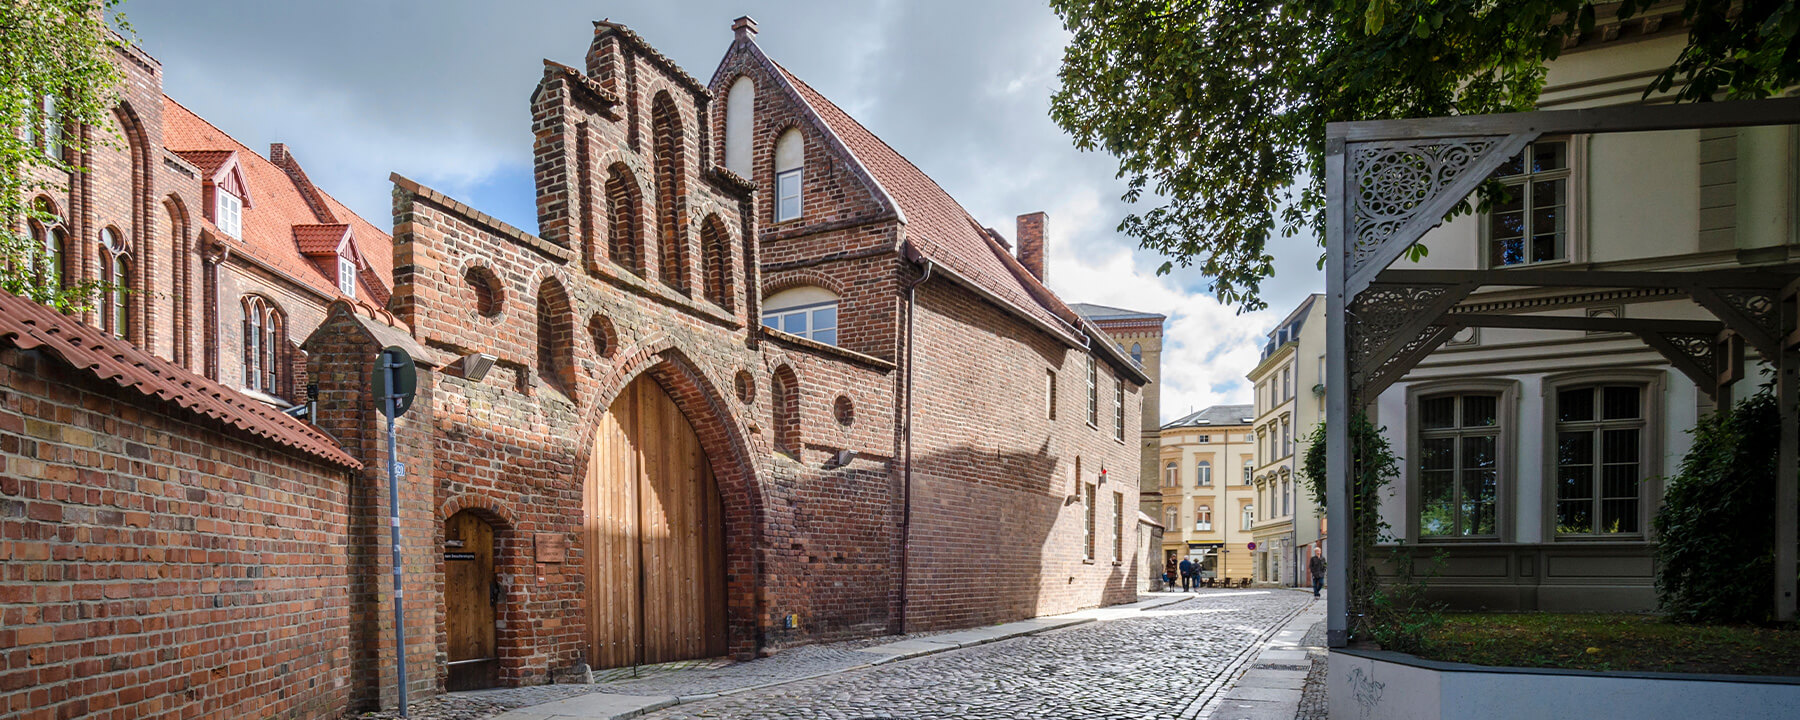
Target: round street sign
{"x":406,"y":378}
{"x":1252,"y":545}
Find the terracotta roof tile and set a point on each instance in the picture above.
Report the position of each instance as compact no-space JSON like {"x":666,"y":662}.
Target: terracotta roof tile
{"x":268,"y":226}
{"x":30,"y":326}
{"x":207,"y":160}
{"x":935,"y":223}
{"x":319,"y":239}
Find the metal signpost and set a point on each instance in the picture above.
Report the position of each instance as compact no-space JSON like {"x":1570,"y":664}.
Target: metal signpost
{"x":395,"y":379}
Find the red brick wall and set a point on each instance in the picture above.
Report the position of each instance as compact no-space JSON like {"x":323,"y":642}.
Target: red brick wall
{"x":153,"y":567}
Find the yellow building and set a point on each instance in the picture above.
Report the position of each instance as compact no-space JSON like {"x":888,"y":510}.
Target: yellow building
{"x":1288,"y":527}
{"x":1206,"y":494}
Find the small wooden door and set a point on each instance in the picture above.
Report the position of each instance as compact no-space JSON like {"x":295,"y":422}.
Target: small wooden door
{"x":469,"y":598}
{"x":655,"y":530}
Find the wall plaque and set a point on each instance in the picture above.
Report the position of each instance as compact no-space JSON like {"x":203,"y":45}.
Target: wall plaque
{"x":551,"y":547}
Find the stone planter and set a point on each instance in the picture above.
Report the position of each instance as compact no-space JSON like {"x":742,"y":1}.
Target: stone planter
{"x":1373,"y":684}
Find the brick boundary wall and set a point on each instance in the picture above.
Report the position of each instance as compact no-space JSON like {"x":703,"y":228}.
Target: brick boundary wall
{"x":155,"y":567}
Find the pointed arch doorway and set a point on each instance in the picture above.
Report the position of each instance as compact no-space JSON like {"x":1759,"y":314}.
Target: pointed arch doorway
{"x":654,"y":525}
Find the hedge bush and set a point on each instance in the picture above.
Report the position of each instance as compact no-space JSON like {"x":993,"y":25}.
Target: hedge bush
{"x":1715,"y":559}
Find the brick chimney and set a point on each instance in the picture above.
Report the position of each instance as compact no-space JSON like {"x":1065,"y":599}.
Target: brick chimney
{"x":1030,"y":237}
{"x":744,"y":27}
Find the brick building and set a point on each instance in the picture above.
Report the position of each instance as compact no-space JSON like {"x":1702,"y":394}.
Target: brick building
{"x":1141,"y":334}
{"x":757,"y":382}
{"x":229,"y":257}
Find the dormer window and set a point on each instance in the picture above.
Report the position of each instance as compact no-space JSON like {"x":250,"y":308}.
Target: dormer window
{"x":229,"y":214}
{"x":346,"y":276}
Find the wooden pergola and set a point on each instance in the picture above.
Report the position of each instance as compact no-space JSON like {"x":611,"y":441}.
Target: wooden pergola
{"x":1388,"y":182}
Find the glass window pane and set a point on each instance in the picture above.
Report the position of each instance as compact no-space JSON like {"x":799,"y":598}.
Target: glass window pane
{"x":1575,"y":516}
{"x":794,"y":323}
{"x":1545,"y":248}
{"x":1437,"y":519}
{"x":772,"y":321}
{"x":1478,"y":453}
{"x":1548,"y":156}
{"x":825,"y":317}
{"x":1508,"y":252}
{"x":1619,"y":481}
{"x":1513,"y":166}
{"x":1478,"y":518}
{"x":1437,"y":454}
{"x":1508,"y":224}
{"x":1574,"y":448}
{"x":1480,"y":410}
{"x":1436,"y":487}
{"x":1575,"y":405}
{"x":829,"y":337}
{"x":1549,"y":193}
{"x":1574,"y":483}
{"x":1619,"y":516}
{"x":1437,"y":412}
{"x":1620,"y":402}
{"x":1619,"y":446}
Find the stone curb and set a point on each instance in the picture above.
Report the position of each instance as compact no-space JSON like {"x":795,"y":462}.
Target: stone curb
{"x":1215,"y":691}
{"x":1041,"y":625}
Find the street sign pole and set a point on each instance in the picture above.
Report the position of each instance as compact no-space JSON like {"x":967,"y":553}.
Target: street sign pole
{"x":388,"y":364}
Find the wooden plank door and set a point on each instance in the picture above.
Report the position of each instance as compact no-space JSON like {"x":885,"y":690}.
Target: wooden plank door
{"x":469,"y":603}
{"x":654,"y":520}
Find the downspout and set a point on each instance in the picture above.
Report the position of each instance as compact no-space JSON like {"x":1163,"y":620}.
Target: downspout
{"x":912,"y":308}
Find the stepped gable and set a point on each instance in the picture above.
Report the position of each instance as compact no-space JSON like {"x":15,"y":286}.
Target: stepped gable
{"x":277,"y":207}
{"x":29,"y":326}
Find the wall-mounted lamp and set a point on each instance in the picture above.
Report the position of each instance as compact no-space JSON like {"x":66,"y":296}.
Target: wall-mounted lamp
{"x":472,"y":367}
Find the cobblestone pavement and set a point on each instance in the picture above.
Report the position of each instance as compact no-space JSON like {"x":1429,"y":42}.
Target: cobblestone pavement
{"x":694,"y":677}
{"x":1312,"y":700}
{"x":1161,"y":664}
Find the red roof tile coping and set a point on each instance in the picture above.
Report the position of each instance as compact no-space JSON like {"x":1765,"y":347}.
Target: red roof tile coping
{"x":29,"y":326}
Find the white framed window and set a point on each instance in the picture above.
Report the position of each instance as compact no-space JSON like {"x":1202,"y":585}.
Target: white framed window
{"x":1459,"y":441}
{"x":1599,"y":459}
{"x":1171,"y":516}
{"x":1248,"y":476}
{"x":52,"y":132}
{"x":229,"y":215}
{"x":1287,"y":437}
{"x":1203,"y":473}
{"x":1249,"y":518}
{"x":346,"y":276}
{"x":1530,"y":224}
{"x":1287,"y":492}
{"x":115,"y":313}
{"x":1118,"y":408}
{"x":263,"y":341}
{"x":1090,"y":501}
{"x":790,"y":159}
{"x":1204,"y":439}
{"x":1172,"y":474}
{"x":808,"y":311}
{"x":1287,"y":384}
{"x":1093,"y":395}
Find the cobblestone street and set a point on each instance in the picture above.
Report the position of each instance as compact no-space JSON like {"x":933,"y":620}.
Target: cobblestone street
{"x":1163,"y":663}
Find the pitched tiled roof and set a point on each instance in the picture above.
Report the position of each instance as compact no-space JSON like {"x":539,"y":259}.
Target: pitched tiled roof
{"x":268,"y":226}
{"x":935,"y":223}
{"x":319,"y":239}
{"x":207,"y":160}
{"x":1217,"y":415}
{"x":30,"y":326}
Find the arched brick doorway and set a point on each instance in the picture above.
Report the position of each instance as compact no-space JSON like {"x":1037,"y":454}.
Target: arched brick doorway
{"x":654,"y":527}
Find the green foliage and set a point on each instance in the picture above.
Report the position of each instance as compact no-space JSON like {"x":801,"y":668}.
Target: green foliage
{"x":1218,"y":107}
{"x":1398,"y":615}
{"x":56,"y":64}
{"x":1716,"y":527}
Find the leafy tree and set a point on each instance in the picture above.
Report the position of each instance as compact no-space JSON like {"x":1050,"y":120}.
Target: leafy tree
{"x":56,"y":61}
{"x":1716,"y":526}
{"x":1218,"y":107}
{"x":1373,"y":466}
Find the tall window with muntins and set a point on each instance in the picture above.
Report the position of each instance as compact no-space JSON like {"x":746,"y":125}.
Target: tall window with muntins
{"x":810,"y":312}
{"x":1458,"y":464}
{"x":1203,"y":473}
{"x":1118,"y":408}
{"x":1088,"y":541}
{"x":229,"y":213}
{"x":1249,"y":518}
{"x":1171,"y":516}
{"x":1093,"y":393}
{"x":1599,"y":459}
{"x":1287,"y":437}
{"x":264,"y":342}
{"x":1203,"y":518}
{"x":1529,"y":223}
{"x":1248,"y":476}
{"x":115,"y":313}
{"x":1172,"y":474}
{"x":790,"y":156}
{"x":1287,"y":384}
{"x":1287,"y":492}
{"x":346,"y":276}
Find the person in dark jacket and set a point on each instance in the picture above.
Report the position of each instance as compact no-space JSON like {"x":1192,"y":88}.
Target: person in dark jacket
{"x":1187,"y":575}
{"x":1316,"y":566}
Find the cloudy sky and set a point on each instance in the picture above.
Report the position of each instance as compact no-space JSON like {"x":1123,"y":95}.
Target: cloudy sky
{"x":437,"y":89}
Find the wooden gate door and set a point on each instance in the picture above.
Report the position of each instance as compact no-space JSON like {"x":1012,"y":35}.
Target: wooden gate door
{"x":655,"y":532}
{"x":469,"y":602}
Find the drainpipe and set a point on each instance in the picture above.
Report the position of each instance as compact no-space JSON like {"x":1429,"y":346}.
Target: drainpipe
{"x":912,"y":309}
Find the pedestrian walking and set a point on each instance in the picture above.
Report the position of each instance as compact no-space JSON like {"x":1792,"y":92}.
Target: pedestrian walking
{"x":1169,"y":574}
{"x":1316,"y":566}
{"x":1187,"y":575}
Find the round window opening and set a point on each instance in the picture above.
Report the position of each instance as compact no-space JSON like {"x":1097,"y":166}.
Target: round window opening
{"x":746,"y":387}
{"x":605,"y":340}
{"x":844,"y":410}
